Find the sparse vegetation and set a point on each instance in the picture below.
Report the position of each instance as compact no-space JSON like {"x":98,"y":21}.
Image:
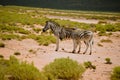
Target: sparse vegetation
{"x":88,"y":64}
{"x":15,"y":70}
{"x":2,"y":44}
{"x":1,"y":56}
{"x":116,"y":73}
{"x":106,"y":40}
{"x":43,"y":39}
{"x":37,"y":30}
{"x":64,"y":68}
{"x":108,"y":61}
{"x":9,"y":36}
{"x":13,"y":21}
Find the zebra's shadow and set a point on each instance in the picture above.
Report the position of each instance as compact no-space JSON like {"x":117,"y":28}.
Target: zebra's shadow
{"x":70,"y":51}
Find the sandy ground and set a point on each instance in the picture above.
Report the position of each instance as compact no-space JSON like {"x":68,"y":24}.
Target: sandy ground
{"x":81,"y":20}
{"x":43,"y":55}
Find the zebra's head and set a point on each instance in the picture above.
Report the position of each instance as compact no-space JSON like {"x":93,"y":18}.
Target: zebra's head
{"x":47,"y":26}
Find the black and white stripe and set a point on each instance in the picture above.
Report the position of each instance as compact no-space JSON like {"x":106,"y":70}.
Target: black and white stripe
{"x":73,"y":33}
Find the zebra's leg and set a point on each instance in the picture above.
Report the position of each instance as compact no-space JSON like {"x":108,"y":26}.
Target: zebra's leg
{"x":91,"y":47}
{"x":87,"y":45}
{"x":57,"y":44}
{"x":79,"y":46}
{"x":74,"y":45}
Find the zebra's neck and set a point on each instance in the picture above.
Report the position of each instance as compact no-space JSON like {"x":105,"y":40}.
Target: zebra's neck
{"x":55,"y":29}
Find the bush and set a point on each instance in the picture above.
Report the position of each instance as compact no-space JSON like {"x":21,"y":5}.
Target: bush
{"x":116,"y":73}
{"x":1,"y":56}
{"x":19,"y":70}
{"x":43,"y":39}
{"x":23,"y":31}
{"x":108,"y":27}
{"x":37,"y":30}
{"x":9,"y":36}
{"x":2,"y":44}
{"x":108,"y":61}
{"x":88,"y":64}
{"x":102,"y":33}
{"x":64,"y":68}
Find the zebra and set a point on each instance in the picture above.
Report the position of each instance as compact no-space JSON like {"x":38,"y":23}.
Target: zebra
{"x":85,"y":36}
{"x":70,"y":33}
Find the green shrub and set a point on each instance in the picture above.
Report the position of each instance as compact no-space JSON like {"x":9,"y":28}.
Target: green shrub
{"x":9,"y":36}
{"x":108,"y":61}
{"x":102,"y":33}
{"x":88,"y":64}
{"x":4,"y":67}
{"x":64,"y":68}
{"x":17,"y":53}
{"x":25,"y":71}
{"x":37,"y":30}
{"x":2,"y":44}
{"x":1,"y":56}
{"x":43,"y":39}
{"x":22,"y":31}
{"x":19,"y":70}
{"x":116,"y":73}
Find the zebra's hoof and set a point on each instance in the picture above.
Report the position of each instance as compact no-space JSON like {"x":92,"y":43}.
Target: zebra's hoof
{"x":73,"y":51}
{"x":78,"y":52}
{"x":84,"y":53}
{"x":90,"y":54}
{"x":56,"y":50}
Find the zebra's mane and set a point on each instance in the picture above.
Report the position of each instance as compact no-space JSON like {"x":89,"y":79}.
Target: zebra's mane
{"x":55,"y":23}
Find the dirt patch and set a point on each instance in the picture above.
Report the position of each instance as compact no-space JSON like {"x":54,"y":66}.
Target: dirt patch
{"x":43,"y":55}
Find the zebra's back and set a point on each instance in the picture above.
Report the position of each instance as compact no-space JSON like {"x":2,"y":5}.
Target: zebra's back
{"x":82,"y":35}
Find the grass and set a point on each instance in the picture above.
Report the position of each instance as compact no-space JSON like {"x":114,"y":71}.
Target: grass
{"x":108,"y":61}
{"x":68,"y":13}
{"x":2,"y":44}
{"x":88,"y":64}
{"x":9,"y":36}
{"x":43,"y":39}
{"x":116,"y":73}
{"x":37,"y":30}
{"x":12,"y":29}
{"x":11,"y":16}
{"x":64,"y":68}
{"x":16,"y":70}
{"x":1,"y":56}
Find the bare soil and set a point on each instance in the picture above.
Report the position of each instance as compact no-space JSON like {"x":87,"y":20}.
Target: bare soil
{"x":43,"y":55}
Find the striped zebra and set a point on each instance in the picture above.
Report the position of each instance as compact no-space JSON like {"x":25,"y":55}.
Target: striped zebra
{"x":70,"y":33}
